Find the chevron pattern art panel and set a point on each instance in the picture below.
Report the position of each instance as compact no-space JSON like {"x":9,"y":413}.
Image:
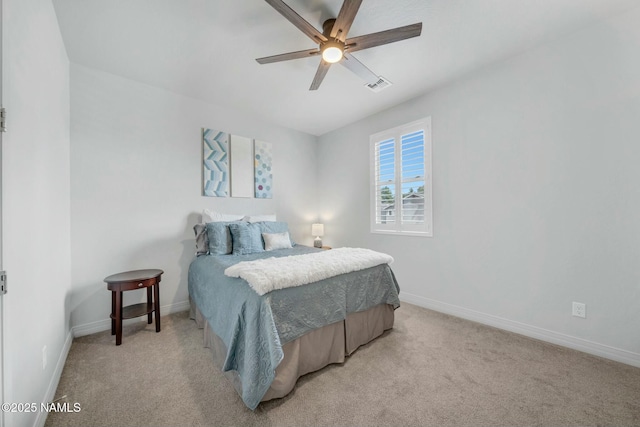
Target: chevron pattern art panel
{"x":215,"y":169}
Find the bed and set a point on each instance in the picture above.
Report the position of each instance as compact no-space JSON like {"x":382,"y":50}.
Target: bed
{"x":264,"y":343}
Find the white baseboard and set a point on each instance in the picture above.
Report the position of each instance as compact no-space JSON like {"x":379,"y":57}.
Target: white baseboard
{"x":586,"y":346}
{"x":55,"y":379}
{"x":104,"y":325}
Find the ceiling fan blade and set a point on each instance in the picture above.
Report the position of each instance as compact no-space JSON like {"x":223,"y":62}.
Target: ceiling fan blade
{"x":359,"y":69}
{"x":322,"y":71}
{"x":345,"y":19}
{"x":297,"y":20}
{"x":383,"y":37}
{"x":287,"y":56}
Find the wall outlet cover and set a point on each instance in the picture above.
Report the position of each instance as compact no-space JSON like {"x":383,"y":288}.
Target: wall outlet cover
{"x":579,"y":310}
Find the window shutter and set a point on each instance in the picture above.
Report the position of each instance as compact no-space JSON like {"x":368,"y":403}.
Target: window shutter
{"x":412,"y":160}
{"x":385,"y":181}
{"x":401,"y":180}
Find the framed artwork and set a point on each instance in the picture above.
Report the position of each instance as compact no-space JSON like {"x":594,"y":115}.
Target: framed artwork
{"x":215,"y":167}
{"x":241,"y":166}
{"x":236,"y":166}
{"x":263,"y":174}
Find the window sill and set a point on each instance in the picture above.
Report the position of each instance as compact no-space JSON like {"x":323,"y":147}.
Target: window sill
{"x":404,"y":233}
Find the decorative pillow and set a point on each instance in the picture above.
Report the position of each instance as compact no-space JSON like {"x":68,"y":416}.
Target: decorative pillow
{"x":212,"y":216}
{"x":274,"y":241}
{"x":246,"y":238}
{"x":219,"y":236}
{"x":259,"y":218}
{"x":202,"y":241}
{"x":271,"y":227}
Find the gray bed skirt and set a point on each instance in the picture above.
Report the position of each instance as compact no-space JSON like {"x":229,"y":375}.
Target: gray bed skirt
{"x":312,"y":351}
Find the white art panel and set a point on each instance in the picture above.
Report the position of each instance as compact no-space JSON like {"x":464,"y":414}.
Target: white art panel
{"x":241,"y":166}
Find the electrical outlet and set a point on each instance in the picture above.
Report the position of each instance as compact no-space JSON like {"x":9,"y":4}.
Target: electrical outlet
{"x":44,"y":357}
{"x":579,"y":310}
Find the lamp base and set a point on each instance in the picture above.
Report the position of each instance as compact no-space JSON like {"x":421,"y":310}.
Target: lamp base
{"x":317,"y":243}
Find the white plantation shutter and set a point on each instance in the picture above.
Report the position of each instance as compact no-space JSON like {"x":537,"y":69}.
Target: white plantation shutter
{"x":385,"y":184}
{"x":401,"y":180}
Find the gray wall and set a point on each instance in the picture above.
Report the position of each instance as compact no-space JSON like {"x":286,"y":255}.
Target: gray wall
{"x":36,"y":213}
{"x":136,"y":185}
{"x":535,"y":188}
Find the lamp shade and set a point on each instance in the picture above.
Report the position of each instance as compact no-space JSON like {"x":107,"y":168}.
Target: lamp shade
{"x":317,"y":229}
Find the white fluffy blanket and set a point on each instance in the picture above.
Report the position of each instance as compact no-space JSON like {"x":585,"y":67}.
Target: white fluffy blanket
{"x":266,"y":275}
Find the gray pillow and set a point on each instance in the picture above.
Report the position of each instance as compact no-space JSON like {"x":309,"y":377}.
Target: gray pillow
{"x":219,"y":236}
{"x":272,"y":227}
{"x":202,"y":240}
{"x":247,"y":238}
{"x":273,"y":241}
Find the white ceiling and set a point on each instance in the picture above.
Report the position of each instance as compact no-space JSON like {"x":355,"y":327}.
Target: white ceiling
{"x":205,"y":49}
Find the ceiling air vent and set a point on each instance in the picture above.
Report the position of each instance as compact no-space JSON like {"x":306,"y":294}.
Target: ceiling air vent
{"x":382,"y":83}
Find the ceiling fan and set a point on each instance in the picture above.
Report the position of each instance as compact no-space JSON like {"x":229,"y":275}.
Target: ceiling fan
{"x":334,"y":46}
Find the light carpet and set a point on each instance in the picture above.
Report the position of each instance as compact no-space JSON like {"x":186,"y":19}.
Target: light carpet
{"x":430,"y":370}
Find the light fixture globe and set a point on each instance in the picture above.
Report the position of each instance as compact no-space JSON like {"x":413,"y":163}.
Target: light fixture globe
{"x":332,"y":51}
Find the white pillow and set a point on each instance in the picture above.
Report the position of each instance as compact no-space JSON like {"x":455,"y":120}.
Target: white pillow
{"x":276,"y":241}
{"x":260,"y":218}
{"x":212,"y":216}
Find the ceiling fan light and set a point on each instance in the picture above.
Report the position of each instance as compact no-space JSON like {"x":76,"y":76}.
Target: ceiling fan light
{"x":332,"y":53}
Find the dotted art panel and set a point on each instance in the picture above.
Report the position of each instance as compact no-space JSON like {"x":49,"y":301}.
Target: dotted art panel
{"x":262,"y":172}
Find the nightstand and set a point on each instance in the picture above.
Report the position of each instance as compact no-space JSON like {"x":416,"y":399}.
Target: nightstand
{"x":326,"y":248}
{"x":128,"y":281}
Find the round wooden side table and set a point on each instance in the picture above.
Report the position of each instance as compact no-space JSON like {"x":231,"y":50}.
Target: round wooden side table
{"x":128,"y":281}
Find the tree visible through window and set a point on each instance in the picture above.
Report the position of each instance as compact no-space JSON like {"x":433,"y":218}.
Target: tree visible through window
{"x":401,"y":180}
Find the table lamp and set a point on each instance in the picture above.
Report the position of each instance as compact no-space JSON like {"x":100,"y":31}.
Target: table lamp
{"x":318,"y":231}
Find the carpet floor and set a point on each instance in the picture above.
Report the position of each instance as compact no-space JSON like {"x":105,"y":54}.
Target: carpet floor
{"x":430,"y":370}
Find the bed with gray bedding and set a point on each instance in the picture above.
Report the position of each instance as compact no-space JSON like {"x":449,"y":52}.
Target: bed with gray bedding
{"x":265,"y":342}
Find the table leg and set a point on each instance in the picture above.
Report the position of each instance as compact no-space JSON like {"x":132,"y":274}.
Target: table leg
{"x":113,"y":313}
{"x":156,"y":297}
{"x":149,"y":300}
{"x":118,"y":317}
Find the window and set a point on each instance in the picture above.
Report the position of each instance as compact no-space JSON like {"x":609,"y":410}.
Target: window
{"x":401,"y":180}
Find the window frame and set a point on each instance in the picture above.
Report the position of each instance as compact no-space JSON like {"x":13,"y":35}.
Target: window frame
{"x":424,"y":229}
